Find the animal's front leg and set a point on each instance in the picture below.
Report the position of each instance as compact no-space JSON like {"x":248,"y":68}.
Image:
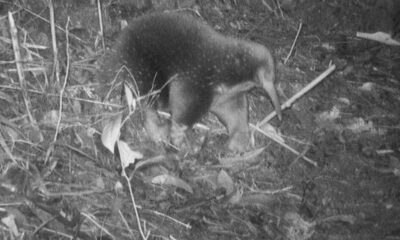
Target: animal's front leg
{"x":187,"y":104}
{"x":233,"y":113}
{"x":157,"y":129}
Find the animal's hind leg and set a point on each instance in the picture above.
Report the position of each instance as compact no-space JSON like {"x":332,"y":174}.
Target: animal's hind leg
{"x":187,"y":104}
{"x":233,"y":113}
{"x":157,"y":129}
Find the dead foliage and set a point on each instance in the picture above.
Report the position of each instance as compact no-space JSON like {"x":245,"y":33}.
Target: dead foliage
{"x":76,"y":167}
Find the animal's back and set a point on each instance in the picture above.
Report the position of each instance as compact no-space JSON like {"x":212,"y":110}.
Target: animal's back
{"x":166,"y":44}
{"x":158,"y":46}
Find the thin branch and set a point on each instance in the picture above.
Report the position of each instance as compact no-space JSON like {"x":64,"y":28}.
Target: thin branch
{"x":294,"y":43}
{"x":60,"y":102}
{"x":144,"y":235}
{"x":186,"y":225}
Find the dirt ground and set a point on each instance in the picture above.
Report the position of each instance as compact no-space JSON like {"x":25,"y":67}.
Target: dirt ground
{"x":58,"y":181}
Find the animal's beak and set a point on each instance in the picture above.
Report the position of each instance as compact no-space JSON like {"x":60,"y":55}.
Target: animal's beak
{"x":270,"y":88}
{"x":267,"y":81}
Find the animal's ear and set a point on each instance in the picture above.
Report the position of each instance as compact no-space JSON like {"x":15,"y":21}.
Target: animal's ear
{"x":266,"y":78}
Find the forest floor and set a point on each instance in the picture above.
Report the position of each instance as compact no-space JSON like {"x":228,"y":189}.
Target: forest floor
{"x":58,"y":181}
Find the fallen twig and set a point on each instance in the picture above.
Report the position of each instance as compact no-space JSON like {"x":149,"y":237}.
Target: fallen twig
{"x":294,"y":43}
{"x":135,"y":208}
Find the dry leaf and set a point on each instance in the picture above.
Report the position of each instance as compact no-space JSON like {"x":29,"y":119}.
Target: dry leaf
{"x":226,"y":182}
{"x":332,"y":115}
{"x":34,"y":133}
{"x":367,"y":87}
{"x":298,"y":228}
{"x":327,"y":119}
{"x":111,"y":132}
{"x":51,"y":118}
{"x":118,"y":188}
{"x":166,"y":179}
{"x":236,"y":197}
{"x":257,"y":200}
{"x":99,"y":183}
{"x":209,"y":178}
{"x":130,"y":100}
{"x":127,"y":155}
{"x":150,"y":161}
{"x":344,"y":100}
{"x":381,"y":37}
{"x":9,"y":221}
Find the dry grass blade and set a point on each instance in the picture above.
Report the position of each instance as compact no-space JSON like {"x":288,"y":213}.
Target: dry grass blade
{"x":56,"y":67}
{"x":92,"y":218}
{"x":5,"y":148}
{"x":294,"y":42}
{"x":64,"y":84}
{"x":18,"y":62}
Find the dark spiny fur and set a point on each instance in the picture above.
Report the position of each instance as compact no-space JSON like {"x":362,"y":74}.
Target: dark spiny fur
{"x":203,"y":64}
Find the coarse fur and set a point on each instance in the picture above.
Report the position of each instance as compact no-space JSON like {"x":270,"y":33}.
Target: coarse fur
{"x":204,"y":71}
